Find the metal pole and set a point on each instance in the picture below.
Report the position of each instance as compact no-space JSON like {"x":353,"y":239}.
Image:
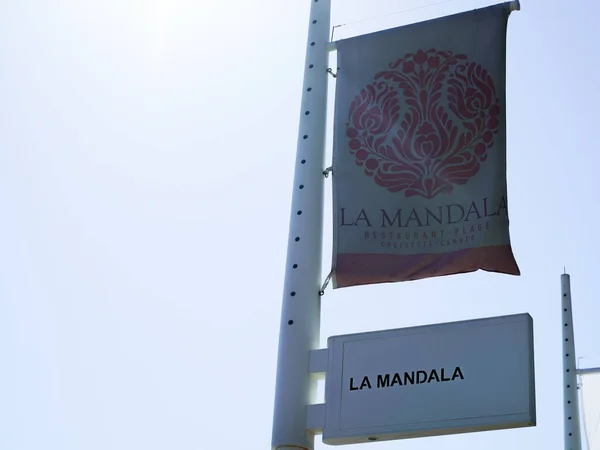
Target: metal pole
{"x":301,"y":304}
{"x":570,"y":397}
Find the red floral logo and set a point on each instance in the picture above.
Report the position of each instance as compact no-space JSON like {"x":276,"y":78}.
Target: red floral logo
{"x":426,"y":125}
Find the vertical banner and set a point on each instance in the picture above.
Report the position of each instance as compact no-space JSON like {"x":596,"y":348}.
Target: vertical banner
{"x":419,"y":162}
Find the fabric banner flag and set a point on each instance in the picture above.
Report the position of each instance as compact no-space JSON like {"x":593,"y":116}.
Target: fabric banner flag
{"x":419,"y":161}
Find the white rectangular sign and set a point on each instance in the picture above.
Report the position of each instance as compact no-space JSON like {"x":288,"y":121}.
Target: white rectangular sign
{"x":430,"y":380}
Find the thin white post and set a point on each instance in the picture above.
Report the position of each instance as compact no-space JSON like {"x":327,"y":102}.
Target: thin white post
{"x":570,"y":397}
{"x":301,"y":305}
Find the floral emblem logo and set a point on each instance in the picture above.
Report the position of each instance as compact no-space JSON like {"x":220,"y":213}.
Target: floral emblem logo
{"x":426,"y":125}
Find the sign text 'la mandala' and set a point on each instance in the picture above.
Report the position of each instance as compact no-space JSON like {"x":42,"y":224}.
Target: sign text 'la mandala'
{"x":414,"y":377}
{"x":438,"y":215}
{"x":427,"y":223}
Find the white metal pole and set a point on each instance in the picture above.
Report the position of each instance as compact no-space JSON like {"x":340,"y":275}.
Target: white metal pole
{"x":301,"y":304}
{"x":570,"y":397}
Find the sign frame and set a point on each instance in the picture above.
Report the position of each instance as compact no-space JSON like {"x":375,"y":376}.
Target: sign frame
{"x":516,"y":351}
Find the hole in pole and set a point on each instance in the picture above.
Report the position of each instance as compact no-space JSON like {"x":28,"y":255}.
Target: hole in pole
{"x":290,"y":322}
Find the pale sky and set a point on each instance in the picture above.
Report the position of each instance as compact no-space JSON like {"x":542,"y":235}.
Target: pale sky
{"x":146,"y":159}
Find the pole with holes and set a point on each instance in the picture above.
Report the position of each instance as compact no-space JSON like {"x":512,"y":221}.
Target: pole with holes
{"x":301,"y":304}
{"x":570,"y":397}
